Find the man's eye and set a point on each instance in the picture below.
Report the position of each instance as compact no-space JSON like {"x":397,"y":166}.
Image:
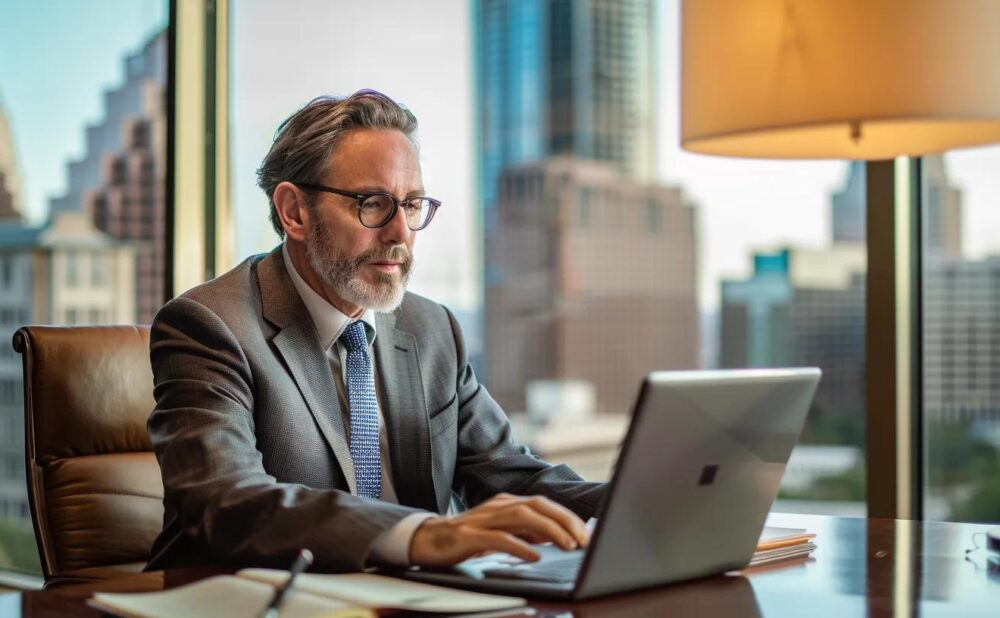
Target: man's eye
{"x":375,"y":203}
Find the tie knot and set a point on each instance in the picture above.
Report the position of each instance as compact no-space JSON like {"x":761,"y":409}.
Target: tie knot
{"x":354,"y":337}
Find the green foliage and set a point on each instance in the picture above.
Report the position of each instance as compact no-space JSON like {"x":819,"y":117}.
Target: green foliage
{"x":955,"y":454}
{"x":966,"y":469}
{"x":963,"y":467}
{"x":834,"y":429}
{"x":983,"y":505}
{"x":848,"y":486}
{"x":17,"y":547}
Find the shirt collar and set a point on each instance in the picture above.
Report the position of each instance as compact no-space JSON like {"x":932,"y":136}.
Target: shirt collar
{"x":330,"y":321}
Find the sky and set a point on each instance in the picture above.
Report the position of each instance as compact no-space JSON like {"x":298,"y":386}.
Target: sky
{"x":285,"y":53}
{"x":56,"y":57}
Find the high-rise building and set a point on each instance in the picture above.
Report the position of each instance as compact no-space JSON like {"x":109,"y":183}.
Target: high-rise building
{"x":129,"y":205}
{"x":597,"y":281}
{"x":63,"y":272}
{"x":564,"y":77}
{"x":961,"y":340}
{"x":942,"y":216}
{"x":11,"y":206}
{"x":847,"y":207}
{"x":120,"y":180}
{"x":802,"y":307}
{"x":942,"y":209}
{"x":564,"y":83}
{"x":7,"y":210}
{"x":806,"y":307}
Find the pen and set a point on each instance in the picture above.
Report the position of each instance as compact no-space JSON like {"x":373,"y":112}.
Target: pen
{"x":302,"y":562}
{"x":513,"y":612}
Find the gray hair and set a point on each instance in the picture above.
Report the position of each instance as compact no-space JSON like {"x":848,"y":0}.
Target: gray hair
{"x":305,"y":141}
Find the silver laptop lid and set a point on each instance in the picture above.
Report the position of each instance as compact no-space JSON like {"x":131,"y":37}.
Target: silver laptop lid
{"x":698,"y":472}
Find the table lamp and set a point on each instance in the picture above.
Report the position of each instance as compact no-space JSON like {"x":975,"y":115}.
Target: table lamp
{"x":839,"y":79}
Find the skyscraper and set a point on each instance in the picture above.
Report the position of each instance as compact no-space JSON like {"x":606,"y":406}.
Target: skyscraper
{"x":803,"y":307}
{"x":589,"y":268}
{"x":847,"y":207}
{"x":564,"y":77}
{"x":961,"y":339}
{"x":597,"y":281}
{"x":943,"y":212}
{"x":11,"y":206}
{"x":120,"y":180}
{"x":942,"y":203}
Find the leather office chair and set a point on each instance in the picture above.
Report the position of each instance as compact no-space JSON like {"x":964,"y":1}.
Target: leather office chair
{"x":94,"y":486}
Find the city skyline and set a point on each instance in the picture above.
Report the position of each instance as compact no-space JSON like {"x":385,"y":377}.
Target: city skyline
{"x":556,"y":77}
{"x":98,"y":258}
{"x":576,"y":233}
{"x":734,"y":196}
{"x":49,"y":109}
{"x":89,"y":151}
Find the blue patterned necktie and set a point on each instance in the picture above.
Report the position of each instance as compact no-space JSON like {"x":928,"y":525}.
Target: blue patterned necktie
{"x":364,"y":413}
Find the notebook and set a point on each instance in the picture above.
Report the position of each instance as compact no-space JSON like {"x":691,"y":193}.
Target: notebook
{"x":698,"y":471}
{"x":355,"y":595}
{"x":777,"y":544}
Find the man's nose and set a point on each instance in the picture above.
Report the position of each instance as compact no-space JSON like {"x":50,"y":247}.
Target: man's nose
{"x":396,"y":231}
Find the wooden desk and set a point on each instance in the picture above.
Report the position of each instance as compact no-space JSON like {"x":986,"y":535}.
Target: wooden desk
{"x":874,"y":567}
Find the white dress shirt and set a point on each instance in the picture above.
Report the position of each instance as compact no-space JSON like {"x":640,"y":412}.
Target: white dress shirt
{"x":393,"y":545}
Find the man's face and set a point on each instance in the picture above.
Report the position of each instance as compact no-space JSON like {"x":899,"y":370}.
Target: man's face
{"x":367,"y":268}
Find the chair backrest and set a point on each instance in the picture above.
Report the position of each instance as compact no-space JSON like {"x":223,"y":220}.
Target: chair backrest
{"x":94,"y":486}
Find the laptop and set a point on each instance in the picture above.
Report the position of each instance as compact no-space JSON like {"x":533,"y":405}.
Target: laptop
{"x":698,"y":471}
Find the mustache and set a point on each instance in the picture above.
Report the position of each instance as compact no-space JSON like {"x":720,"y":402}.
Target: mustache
{"x":398,"y":253}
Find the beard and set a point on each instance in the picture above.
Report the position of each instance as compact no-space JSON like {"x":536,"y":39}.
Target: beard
{"x":342,"y":273}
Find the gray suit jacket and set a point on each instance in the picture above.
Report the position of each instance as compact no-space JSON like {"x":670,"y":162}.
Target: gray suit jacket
{"x":247,"y":418}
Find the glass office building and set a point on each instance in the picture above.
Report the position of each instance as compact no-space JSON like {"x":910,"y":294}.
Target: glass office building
{"x":558,"y":77}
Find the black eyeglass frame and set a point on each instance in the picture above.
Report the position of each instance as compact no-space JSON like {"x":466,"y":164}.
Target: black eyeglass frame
{"x":360,"y":198}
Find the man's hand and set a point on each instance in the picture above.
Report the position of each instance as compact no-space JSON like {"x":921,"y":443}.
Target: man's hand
{"x":504,"y":523}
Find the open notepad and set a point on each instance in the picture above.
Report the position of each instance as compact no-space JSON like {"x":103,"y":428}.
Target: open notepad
{"x":782,"y":544}
{"x":354,"y":595}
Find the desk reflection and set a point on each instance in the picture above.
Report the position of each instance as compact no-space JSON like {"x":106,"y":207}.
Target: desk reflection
{"x":732,"y":595}
{"x":862,"y":567}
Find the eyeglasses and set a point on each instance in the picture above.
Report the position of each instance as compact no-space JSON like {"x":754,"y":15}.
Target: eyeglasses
{"x":378,"y":209}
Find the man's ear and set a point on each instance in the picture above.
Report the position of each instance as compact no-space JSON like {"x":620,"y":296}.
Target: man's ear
{"x":290,"y":203}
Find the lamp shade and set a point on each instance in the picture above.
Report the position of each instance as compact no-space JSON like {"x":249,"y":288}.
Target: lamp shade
{"x":844,"y":79}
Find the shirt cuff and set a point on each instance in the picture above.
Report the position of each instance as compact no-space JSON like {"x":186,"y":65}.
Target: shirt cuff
{"x":393,"y":545}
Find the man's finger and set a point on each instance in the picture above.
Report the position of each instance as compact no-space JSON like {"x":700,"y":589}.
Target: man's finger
{"x":497,"y":540}
{"x":523,"y":520}
{"x":565,"y":517}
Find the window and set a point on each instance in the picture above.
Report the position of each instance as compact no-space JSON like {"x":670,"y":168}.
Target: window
{"x":961,"y":335}
{"x":65,"y":164}
{"x":6,"y":272}
{"x":572,"y":102}
{"x":583,"y":208}
{"x":98,"y":269}
{"x":654,"y":216}
{"x":7,"y":389}
{"x":72,"y":265}
{"x":447,"y":269}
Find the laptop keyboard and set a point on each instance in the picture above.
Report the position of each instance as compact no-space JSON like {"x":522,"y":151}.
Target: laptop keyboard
{"x":561,"y":569}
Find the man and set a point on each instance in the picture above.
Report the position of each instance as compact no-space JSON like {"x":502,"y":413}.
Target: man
{"x":304,"y":399}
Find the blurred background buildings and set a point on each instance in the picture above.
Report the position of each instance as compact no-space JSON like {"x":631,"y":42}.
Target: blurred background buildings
{"x":598,"y":242}
{"x":98,"y":256}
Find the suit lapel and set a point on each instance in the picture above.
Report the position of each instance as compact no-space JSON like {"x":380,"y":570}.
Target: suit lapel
{"x":405,"y":413}
{"x":297,"y":342}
